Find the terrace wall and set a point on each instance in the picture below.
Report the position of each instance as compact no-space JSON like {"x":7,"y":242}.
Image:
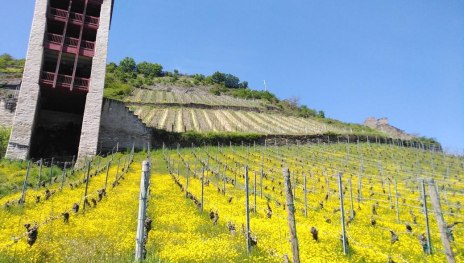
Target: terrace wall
{"x":120,"y":126}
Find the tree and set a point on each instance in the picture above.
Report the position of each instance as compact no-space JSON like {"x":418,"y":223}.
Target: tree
{"x":111,"y":67}
{"x":149,"y":69}
{"x":243,"y":85}
{"x":128,"y":65}
{"x":231,"y":81}
{"x":218,"y":77}
{"x":321,"y":114}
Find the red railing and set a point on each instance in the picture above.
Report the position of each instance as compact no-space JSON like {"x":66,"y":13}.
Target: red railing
{"x":88,"y":44}
{"x":55,"y":41}
{"x":71,"y":42}
{"x":60,"y":13}
{"x":92,"y":20}
{"x":64,"y":80}
{"x":75,"y":17}
{"x":81,"y":84}
{"x":54,"y":38}
{"x":48,"y":76}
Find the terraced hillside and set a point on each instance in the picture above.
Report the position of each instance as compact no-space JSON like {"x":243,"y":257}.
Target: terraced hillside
{"x":182,"y":96}
{"x":179,"y":109}
{"x":382,"y":197}
{"x":223,"y":120}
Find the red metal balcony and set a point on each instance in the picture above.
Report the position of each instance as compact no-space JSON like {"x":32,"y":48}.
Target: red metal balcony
{"x":58,"y":14}
{"x":64,"y":82}
{"x":74,"y":18}
{"x":53,"y":42}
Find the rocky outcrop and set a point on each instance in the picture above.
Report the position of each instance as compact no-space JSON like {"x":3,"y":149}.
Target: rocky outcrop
{"x":384,"y":126}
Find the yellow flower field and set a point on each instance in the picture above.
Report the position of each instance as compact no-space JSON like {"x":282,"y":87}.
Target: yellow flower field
{"x":181,"y":232}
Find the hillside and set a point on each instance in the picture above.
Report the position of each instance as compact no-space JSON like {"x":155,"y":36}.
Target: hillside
{"x":180,"y":109}
{"x":220,"y":103}
{"x":177,"y":102}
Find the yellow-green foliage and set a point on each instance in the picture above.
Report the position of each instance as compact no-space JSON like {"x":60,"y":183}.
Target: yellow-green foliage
{"x":182,"y":233}
{"x":4,"y":136}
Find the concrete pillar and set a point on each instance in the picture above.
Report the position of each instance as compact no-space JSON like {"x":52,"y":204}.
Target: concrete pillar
{"x":26,"y":110}
{"x":93,"y":107}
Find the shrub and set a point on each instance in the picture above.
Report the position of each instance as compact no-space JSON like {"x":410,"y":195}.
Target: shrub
{"x":4,"y":137}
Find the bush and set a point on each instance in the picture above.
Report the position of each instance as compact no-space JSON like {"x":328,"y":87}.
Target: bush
{"x":199,"y":77}
{"x":115,"y":88}
{"x":4,"y":137}
{"x":254,"y":94}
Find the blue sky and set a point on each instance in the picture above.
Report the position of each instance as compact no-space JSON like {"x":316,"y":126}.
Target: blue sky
{"x":353,"y":59}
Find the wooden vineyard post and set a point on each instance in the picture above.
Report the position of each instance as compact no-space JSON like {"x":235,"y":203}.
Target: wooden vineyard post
{"x":396,"y":201}
{"x":291,"y":216}
{"x":254,"y":192}
{"x":40,"y":173}
{"x":72,"y":164}
{"x":224,"y":178}
{"x":361,"y":170}
{"x":98,"y":166}
{"x":305,"y":195}
{"x":140,"y":251}
{"x":424,"y":199}
{"x":22,"y":200}
{"x":63,"y":175}
{"x":262,"y":172}
{"x":442,"y":226}
{"x":389,"y":192}
{"x":313,"y":180}
{"x":351,"y":198}
{"x":294,"y":187}
{"x":247,"y":211}
{"x":187,"y":181}
{"x":261,"y":183}
{"x":123,"y":167}
{"x":195,"y":169}
{"x":86,"y":184}
{"x":342,"y":213}
{"x":117,"y":169}
{"x":202,"y":188}
{"x":108,"y":164}
{"x":51,"y":171}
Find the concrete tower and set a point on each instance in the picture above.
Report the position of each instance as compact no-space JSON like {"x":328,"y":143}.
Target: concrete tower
{"x":60,"y":101}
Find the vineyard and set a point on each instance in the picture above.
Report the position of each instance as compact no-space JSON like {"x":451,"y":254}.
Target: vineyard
{"x":180,"y":109}
{"x":209,"y":120}
{"x":359,"y":202}
{"x":190,"y":96}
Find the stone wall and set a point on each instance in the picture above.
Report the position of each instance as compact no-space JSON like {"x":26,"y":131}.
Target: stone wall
{"x":121,"y":126}
{"x":6,"y":114}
